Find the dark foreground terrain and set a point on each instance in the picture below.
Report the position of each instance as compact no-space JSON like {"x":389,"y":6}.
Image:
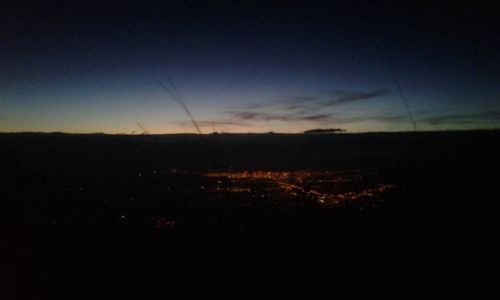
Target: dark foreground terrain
{"x":264,"y":216}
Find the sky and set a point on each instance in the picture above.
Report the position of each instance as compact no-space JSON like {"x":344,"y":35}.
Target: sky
{"x":288,"y":66}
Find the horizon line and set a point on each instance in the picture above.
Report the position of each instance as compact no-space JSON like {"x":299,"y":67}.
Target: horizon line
{"x":247,"y":133}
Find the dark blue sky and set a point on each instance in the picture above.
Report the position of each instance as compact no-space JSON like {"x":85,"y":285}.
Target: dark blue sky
{"x":286,"y":67}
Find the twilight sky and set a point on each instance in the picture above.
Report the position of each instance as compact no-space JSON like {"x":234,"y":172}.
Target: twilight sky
{"x":283,"y":67}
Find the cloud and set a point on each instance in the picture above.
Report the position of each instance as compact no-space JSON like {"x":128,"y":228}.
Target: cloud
{"x":312,"y":108}
{"x":463,"y":118}
{"x":320,"y":100}
{"x":373,"y":118}
{"x":302,"y":107}
{"x":316,"y":117}
{"x":265,"y":116}
{"x":206,"y":123}
{"x":245,"y":119}
{"x":338,"y":97}
{"x":245,"y":115}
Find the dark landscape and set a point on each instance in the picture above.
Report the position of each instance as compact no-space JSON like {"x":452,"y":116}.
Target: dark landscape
{"x":255,"y":215}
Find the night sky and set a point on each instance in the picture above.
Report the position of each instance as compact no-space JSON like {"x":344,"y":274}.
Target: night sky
{"x":284,"y":67}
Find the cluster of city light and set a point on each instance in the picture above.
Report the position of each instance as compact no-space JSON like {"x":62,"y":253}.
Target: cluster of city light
{"x":321,"y":187}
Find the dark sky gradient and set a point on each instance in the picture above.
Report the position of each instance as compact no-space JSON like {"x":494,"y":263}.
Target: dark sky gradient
{"x":286,"y":67}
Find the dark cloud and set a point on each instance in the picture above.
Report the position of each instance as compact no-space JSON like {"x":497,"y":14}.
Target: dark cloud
{"x":308,"y":108}
{"x":464,"y":118}
{"x":244,"y":118}
{"x":265,"y":116}
{"x":255,"y":105}
{"x":297,"y":99}
{"x":376,"y":118}
{"x":317,"y":117}
{"x":338,"y":97}
{"x":308,"y":103}
{"x":303,"y":107}
{"x":205,"y":123}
